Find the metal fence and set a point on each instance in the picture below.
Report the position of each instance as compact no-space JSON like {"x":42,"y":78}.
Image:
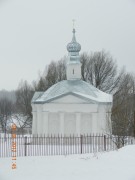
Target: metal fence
{"x":59,"y":145}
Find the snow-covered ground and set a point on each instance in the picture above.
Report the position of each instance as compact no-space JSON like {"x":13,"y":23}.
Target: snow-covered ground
{"x":115,"y":165}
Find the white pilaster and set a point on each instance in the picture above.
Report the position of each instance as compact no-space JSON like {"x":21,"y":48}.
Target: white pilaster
{"x":78,"y":120}
{"x":94,"y":122}
{"x":39,"y":120}
{"x":61,"y":123}
{"x":34,"y":123}
{"x":45,"y":122}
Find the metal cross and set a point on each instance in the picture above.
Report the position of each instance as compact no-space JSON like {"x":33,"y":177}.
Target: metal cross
{"x":73,"y":23}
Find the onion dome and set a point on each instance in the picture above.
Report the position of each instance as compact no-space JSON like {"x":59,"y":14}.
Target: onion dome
{"x":73,"y":46}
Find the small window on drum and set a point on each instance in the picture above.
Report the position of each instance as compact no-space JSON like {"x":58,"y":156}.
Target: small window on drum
{"x":73,"y":71}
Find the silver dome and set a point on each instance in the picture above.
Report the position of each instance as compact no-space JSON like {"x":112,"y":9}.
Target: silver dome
{"x":73,"y":46}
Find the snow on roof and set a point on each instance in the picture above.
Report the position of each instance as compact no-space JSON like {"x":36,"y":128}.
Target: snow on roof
{"x":37,"y":95}
{"x":102,"y":97}
{"x":78,"y":87}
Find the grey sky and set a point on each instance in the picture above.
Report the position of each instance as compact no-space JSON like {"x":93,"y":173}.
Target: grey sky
{"x":34,"y":32}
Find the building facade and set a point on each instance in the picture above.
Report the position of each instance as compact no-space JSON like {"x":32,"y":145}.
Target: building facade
{"x":72,"y":106}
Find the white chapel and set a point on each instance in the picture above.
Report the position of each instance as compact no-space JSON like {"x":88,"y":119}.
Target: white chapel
{"x":72,"y":106}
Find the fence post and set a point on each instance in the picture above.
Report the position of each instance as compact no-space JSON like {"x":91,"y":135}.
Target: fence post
{"x":25,"y":146}
{"x":132,"y":141}
{"x":81,"y":142}
{"x":104,"y":142}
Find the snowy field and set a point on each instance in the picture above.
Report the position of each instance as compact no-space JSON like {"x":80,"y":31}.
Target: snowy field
{"x":115,"y":165}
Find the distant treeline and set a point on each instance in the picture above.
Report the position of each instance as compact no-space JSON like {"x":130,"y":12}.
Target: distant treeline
{"x":10,"y":95}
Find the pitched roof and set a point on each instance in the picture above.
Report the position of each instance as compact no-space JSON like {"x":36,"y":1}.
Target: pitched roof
{"x":77,"y":87}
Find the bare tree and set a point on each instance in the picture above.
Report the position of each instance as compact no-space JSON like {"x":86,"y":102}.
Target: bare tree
{"x":61,"y":69}
{"x":41,"y":85}
{"x":123,"y":111}
{"x":52,"y":75}
{"x":6,"y":111}
{"x":24,"y":95}
{"x":54,"y":72}
{"x":100,"y":70}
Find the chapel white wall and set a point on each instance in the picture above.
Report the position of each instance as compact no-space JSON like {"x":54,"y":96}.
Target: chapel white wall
{"x":66,"y":119}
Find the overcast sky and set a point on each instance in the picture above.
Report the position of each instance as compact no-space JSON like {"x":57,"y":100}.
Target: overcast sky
{"x":35,"y":32}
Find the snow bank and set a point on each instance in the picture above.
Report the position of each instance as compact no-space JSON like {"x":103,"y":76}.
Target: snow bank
{"x":116,"y":165}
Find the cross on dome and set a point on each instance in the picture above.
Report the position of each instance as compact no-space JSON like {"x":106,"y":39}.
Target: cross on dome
{"x":73,"y":23}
